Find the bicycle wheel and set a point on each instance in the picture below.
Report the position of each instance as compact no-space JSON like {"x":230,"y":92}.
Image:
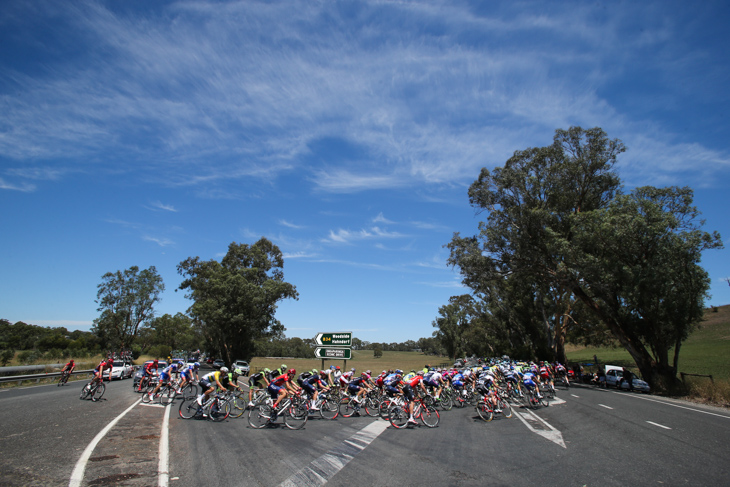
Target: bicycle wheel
{"x":85,"y":391}
{"x":429,"y":416}
{"x":505,"y":407}
{"x":219,"y":410}
{"x":295,"y":416}
{"x":544,"y":401}
{"x":98,"y":392}
{"x":384,"y":407}
{"x":348,"y":407}
{"x":190,"y":390}
{"x":167,"y":395}
{"x":188,"y":408}
{"x":329,"y":409}
{"x":259,"y":416}
{"x":371,"y":406}
{"x":485,"y":411}
{"x":398,"y":417}
{"x":238,"y":406}
{"x":446,"y":402}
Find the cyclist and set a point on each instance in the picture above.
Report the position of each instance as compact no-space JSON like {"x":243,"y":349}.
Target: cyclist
{"x":209,"y":382}
{"x":258,"y":380}
{"x":277,"y":372}
{"x":165,"y":377}
{"x":407,"y":388}
{"x":358,"y":386}
{"x":326,"y":375}
{"x":187,"y":374}
{"x":281,"y":385}
{"x":486,"y":385}
{"x":312,"y":384}
{"x":528,"y":379}
{"x":336,"y":374}
{"x":546,"y":376}
{"x":433,"y":380}
{"x":99,"y":370}
{"x":68,"y":368}
{"x":147,"y":373}
{"x":232,"y":381}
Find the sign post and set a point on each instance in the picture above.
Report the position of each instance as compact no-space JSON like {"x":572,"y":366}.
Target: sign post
{"x":334,"y":345}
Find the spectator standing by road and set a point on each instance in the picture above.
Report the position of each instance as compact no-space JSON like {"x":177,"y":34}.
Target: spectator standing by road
{"x":627,"y":377}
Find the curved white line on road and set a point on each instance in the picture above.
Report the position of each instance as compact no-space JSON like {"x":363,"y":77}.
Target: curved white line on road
{"x":77,"y":476}
{"x":163,"y":468}
{"x":551,"y":433}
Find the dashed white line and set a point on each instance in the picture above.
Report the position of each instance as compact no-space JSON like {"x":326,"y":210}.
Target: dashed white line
{"x":604,"y":406}
{"x":574,"y":395}
{"x":660,"y":425}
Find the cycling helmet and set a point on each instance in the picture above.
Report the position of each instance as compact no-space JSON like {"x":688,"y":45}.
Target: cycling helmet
{"x":315,"y":371}
{"x":110,"y":360}
{"x":180,"y":364}
{"x":352,"y":369}
{"x":157,"y":361}
{"x":224,"y":370}
{"x":291,"y":371}
{"x":398,"y":371}
{"x":337,"y":367}
{"x":332,"y":367}
{"x":364,"y":374}
{"x":267,"y":370}
{"x":196,"y":365}
{"x":283,"y":367}
{"x":238,"y":372}
{"x":321,"y":372}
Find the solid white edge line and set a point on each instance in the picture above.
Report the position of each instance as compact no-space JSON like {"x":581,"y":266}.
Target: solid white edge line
{"x":77,"y":476}
{"x":604,"y":406}
{"x":163,"y":467}
{"x":673,"y":405}
{"x":660,"y":425}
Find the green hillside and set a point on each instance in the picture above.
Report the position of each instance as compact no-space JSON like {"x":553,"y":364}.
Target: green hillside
{"x":706,"y":351}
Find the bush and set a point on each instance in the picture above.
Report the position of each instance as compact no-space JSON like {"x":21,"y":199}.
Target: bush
{"x":6,"y":356}
{"x":27,"y":357}
{"x":705,"y":391}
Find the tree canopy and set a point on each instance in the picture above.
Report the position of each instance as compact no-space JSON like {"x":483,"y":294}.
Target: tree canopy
{"x":235,"y":300}
{"x":559,"y":225}
{"x":126,"y":301}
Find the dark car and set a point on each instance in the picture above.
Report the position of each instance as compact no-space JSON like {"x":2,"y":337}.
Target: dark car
{"x":217,"y":364}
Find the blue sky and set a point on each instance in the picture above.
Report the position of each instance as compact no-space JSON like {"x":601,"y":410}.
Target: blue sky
{"x":142,"y":133}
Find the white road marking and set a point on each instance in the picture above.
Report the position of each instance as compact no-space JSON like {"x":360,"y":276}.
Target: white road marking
{"x":77,"y":476}
{"x":660,"y":425}
{"x":163,"y":467}
{"x":604,"y":406}
{"x":551,"y":433}
{"x":557,"y":401}
{"x":323,"y":468}
{"x":152,"y":405}
{"x":575,"y":395}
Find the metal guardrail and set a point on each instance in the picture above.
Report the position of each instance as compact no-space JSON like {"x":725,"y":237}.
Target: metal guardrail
{"x":683,"y":374}
{"x":37,"y":377}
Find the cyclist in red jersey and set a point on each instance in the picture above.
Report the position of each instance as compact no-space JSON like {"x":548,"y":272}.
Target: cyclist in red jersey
{"x":99,"y":370}
{"x":69,"y":367}
{"x":280,"y":386}
{"x":148,"y":373}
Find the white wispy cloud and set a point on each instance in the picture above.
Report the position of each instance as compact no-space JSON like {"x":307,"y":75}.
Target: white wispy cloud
{"x":348,"y":236}
{"x":381,"y":219}
{"x":291,"y":225}
{"x":23,"y":187}
{"x":161,"y":241}
{"x":156,"y":205}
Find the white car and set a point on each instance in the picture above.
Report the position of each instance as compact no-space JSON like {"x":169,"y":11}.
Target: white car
{"x":241,"y":364}
{"x":614,"y":375}
{"x":122,"y":370}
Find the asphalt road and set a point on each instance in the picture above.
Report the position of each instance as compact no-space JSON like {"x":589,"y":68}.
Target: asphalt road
{"x":590,"y":437}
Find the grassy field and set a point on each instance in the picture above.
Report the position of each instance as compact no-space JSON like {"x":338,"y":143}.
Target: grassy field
{"x":361,"y":359}
{"x":706,"y":351}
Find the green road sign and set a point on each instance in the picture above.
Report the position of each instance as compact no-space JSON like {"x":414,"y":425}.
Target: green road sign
{"x":340,"y":339}
{"x":337,"y":353}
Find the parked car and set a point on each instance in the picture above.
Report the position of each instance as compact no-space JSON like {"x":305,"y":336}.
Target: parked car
{"x":243,"y":365}
{"x":218,"y":363}
{"x":122,"y":370}
{"x":613,"y":379}
{"x":161,"y":364}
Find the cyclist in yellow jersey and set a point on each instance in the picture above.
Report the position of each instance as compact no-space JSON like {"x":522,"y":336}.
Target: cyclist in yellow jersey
{"x":209,"y":382}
